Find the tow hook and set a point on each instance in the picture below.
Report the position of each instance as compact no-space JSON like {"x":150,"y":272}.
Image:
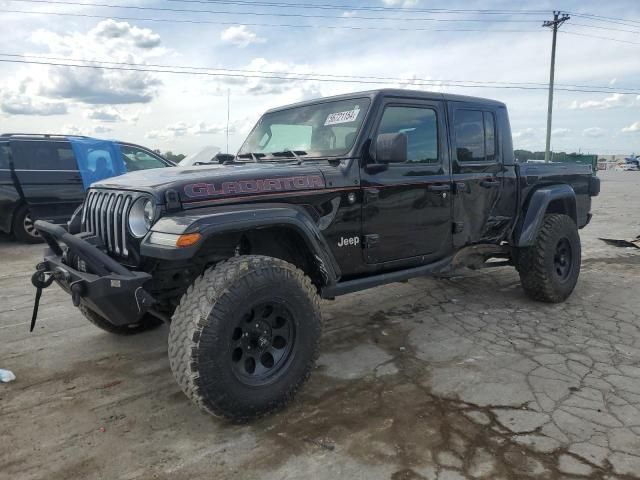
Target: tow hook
{"x":77,"y":291}
{"x":41,"y":279}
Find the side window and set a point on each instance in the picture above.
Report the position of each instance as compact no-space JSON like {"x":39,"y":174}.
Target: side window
{"x":420,"y":125}
{"x":469,"y":130}
{"x":43,"y":155}
{"x":475,"y":133}
{"x":5,"y":155}
{"x":66,"y":158}
{"x":490,"y":136}
{"x":100,"y":165}
{"x":138,"y":159}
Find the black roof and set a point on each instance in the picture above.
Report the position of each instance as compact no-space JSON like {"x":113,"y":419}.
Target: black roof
{"x":396,"y":92}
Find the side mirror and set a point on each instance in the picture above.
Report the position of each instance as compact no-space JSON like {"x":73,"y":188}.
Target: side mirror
{"x":391,"y":148}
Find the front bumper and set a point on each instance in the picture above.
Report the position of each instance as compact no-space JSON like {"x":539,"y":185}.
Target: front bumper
{"x":106,"y":287}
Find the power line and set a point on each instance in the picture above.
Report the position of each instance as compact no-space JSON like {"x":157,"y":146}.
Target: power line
{"x":352,"y":17}
{"x":208,"y":22}
{"x":316,"y":6}
{"x":309,"y":78}
{"x":617,"y":21}
{"x":284,"y":25}
{"x":266,"y":14}
{"x":302,"y":76}
{"x":566,"y":32}
{"x":605,"y":28}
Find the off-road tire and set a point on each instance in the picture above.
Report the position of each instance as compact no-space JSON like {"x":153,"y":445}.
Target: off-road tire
{"x":20,"y":230}
{"x":145,"y":323}
{"x":536,"y":264}
{"x":201,"y":343}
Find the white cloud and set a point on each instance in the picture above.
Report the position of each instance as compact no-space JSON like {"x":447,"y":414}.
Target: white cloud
{"x":594,"y":132}
{"x":16,"y":104}
{"x":99,"y":86}
{"x":400,"y":3}
{"x":288,"y":81}
{"x":613,"y":101}
{"x":104,"y":114}
{"x":561,"y":132}
{"x":140,"y":37}
{"x":72,"y":129}
{"x":102,"y":129}
{"x":107,"y":41}
{"x":240,"y":36}
{"x":633,"y":128}
{"x":180,"y":129}
{"x":525,"y":134}
{"x":203,"y":128}
{"x":110,"y":114}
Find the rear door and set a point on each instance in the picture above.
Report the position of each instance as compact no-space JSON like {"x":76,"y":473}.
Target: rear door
{"x":407,"y":206}
{"x":477,"y":172}
{"x":9,"y":196}
{"x":48,"y":176}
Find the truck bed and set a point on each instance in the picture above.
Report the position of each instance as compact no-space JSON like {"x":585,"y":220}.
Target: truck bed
{"x":578,"y":176}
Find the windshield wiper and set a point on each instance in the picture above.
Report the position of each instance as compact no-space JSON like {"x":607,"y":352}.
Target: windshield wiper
{"x":253,"y":156}
{"x":290,"y":153}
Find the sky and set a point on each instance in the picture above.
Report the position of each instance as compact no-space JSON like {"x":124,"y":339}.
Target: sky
{"x":184,"y":112}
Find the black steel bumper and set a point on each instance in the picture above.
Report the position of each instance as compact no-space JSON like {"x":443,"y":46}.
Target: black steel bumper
{"x":110,"y":289}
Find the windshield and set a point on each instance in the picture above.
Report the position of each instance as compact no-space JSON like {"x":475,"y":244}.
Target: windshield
{"x":325,"y":129}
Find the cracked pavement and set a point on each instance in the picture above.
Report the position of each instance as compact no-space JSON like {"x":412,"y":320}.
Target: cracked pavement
{"x":456,"y":378}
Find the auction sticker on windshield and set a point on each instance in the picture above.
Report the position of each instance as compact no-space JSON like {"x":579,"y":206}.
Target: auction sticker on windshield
{"x":342,"y":117}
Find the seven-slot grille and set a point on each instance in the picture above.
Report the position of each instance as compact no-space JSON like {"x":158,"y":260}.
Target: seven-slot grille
{"x":105,"y":214}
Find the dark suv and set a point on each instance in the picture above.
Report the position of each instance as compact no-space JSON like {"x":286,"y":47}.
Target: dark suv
{"x":325,"y":198}
{"x":40,"y":178}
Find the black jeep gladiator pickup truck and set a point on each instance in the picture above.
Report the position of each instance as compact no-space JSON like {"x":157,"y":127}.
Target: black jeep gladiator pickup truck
{"x":324,"y":198}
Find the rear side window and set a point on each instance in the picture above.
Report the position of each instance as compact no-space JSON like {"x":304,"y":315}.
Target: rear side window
{"x":490,"y":136}
{"x":43,"y":155}
{"x":475,"y":133}
{"x":5,"y":155}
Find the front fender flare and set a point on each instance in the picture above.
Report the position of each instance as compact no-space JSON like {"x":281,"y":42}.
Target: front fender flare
{"x":536,"y":208}
{"x":228,"y":219}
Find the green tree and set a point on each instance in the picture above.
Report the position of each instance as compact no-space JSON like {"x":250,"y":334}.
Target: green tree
{"x":169,"y":155}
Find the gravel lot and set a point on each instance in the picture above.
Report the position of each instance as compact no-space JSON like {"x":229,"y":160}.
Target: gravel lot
{"x":435,"y":379}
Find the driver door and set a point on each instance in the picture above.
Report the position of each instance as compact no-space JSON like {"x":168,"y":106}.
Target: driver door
{"x":407,"y":204}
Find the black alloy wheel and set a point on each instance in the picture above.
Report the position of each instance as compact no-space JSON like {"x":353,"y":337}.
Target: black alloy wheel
{"x":563,"y":259}
{"x":262,"y":343}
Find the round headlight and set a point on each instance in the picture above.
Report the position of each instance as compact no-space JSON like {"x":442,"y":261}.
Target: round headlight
{"x":149,"y":213}
{"x":141,"y":217}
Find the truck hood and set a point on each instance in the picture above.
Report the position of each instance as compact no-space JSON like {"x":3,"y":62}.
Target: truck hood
{"x":194,"y":184}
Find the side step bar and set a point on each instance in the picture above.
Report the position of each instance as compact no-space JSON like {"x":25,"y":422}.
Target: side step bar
{"x":351,"y":286}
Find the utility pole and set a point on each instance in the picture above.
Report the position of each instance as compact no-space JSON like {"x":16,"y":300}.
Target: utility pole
{"x":228,"y":109}
{"x":555,"y":23}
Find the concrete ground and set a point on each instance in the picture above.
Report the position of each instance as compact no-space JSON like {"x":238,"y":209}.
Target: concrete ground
{"x":431,"y":379}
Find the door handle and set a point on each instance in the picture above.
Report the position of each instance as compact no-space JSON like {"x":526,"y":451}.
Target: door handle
{"x":445,"y":187}
{"x":490,"y":183}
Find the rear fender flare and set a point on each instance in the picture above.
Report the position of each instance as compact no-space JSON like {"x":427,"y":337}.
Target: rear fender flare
{"x":537,"y":207}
